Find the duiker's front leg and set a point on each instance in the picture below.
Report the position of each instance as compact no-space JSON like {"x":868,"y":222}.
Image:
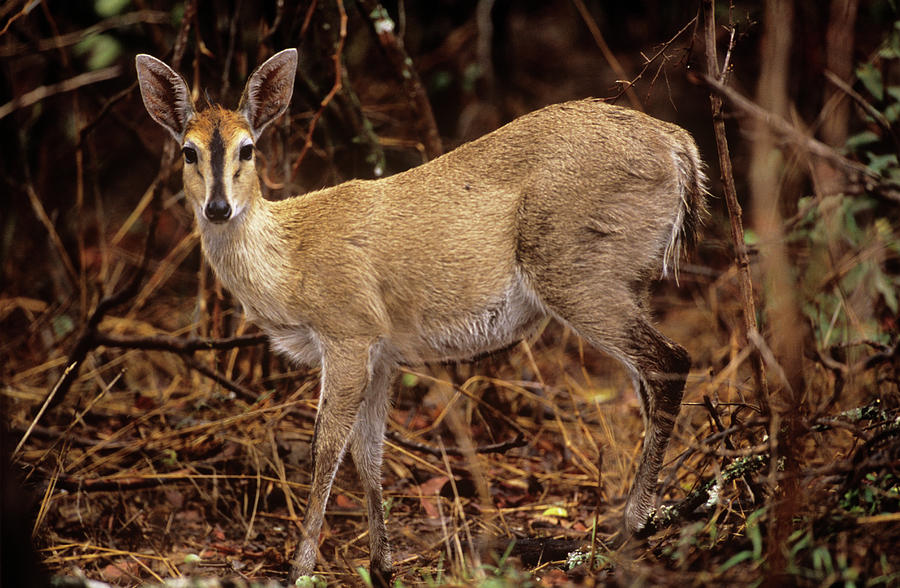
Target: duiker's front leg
{"x":344,"y":379}
{"x":366,"y":447}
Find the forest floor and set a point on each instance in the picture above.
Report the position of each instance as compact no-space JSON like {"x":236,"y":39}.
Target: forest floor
{"x":162,"y":472}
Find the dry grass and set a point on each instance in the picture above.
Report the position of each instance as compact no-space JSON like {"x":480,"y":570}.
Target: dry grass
{"x":147,"y":461}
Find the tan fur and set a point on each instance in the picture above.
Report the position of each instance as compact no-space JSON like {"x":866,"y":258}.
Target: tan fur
{"x":570,"y":211}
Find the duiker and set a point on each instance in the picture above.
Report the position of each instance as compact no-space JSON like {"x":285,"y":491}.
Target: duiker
{"x":570,"y":211}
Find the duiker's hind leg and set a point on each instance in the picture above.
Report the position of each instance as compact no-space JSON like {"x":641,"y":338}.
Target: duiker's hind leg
{"x":366,"y":446}
{"x":659,"y":369}
{"x":589,"y":248}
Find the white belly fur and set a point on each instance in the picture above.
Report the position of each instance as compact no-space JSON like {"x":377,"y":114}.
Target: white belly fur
{"x":499,"y":324}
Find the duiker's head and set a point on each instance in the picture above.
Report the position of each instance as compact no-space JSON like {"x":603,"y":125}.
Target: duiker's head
{"x":218,"y":144}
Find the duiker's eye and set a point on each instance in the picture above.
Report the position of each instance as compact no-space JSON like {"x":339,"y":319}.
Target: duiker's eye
{"x":247,"y":152}
{"x":190,"y":155}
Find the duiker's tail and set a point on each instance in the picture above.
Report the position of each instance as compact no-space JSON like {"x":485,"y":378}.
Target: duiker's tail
{"x":692,"y":209}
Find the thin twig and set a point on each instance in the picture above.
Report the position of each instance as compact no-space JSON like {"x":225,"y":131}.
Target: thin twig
{"x":707,"y":491}
{"x":56,"y":435}
{"x":42,"y":92}
{"x":714,"y":414}
{"x":890,"y":355}
{"x":41,"y":213}
{"x":308,"y":18}
{"x":177,"y":344}
{"x":29,"y":6}
{"x":190,"y":13}
{"x":335,"y":88}
{"x":608,"y":55}
{"x":72,"y":366}
{"x":742,"y":259}
{"x":648,"y":61}
{"x":279,"y":12}
{"x":73,"y":484}
{"x":229,"y":53}
{"x":501,"y":447}
{"x":769,"y":357}
{"x":788,"y":131}
{"x":882,"y":121}
{"x":114,"y":22}
{"x":88,"y":127}
{"x":246,"y":393}
{"x":86,"y":340}
{"x":598,"y":493}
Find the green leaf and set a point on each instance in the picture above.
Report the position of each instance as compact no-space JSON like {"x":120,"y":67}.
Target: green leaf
{"x":754,"y":533}
{"x":107,"y":8}
{"x":821,"y":558}
{"x":603,"y":395}
{"x":755,"y":536}
{"x":177,"y":13}
{"x":409,"y":380}
{"x":471,"y":75}
{"x":556,"y":511}
{"x":803,"y":541}
{"x":892,"y":112}
{"x":888,"y":52}
{"x":887,"y":291}
{"x":319,"y":581}
{"x":62,"y":325}
{"x":880,"y":163}
{"x":861,"y":139}
{"x":440,"y":80}
{"x":735,"y":560}
{"x":101,"y":50}
{"x":870,"y":77}
{"x":169,"y":457}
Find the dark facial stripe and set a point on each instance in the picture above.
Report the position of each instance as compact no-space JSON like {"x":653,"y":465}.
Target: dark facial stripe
{"x":217,"y":162}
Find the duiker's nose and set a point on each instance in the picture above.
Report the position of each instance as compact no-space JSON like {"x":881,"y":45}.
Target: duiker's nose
{"x":217,"y":211}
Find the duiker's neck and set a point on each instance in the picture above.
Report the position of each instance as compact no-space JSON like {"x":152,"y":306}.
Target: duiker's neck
{"x":244,"y":251}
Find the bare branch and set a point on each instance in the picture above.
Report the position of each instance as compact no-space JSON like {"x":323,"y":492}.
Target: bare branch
{"x":177,"y":344}
{"x":38,"y":94}
{"x":114,"y":22}
{"x":501,"y":447}
{"x":335,"y":88}
{"x":735,"y":214}
{"x":628,"y":87}
{"x":786,"y":130}
{"x":29,"y":6}
{"x":242,"y":391}
{"x":648,"y":61}
{"x":86,"y":339}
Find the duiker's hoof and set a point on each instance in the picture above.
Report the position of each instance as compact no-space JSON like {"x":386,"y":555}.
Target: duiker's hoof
{"x":381,"y":576}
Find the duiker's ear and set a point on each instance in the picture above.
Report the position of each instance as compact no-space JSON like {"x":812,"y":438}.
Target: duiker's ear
{"x":166,"y":95}
{"x":268,"y":91}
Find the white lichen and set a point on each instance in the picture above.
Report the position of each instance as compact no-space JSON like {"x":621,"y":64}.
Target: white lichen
{"x":713,"y":495}
{"x":384,"y":25}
